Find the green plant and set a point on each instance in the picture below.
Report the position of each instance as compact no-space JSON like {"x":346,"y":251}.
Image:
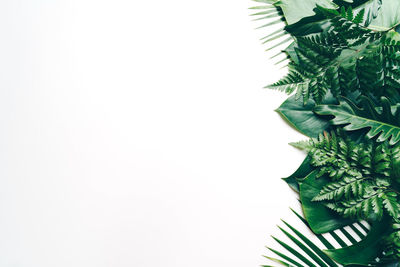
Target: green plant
{"x":344,"y":72}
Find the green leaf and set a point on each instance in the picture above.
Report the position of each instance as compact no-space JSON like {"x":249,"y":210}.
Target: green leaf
{"x":388,"y":16}
{"x":385,"y":125}
{"x":295,"y":10}
{"x":304,"y":170}
{"x":320,"y":218}
{"x":348,"y":186}
{"x":313,"y":247}
{"x":345,"y":59}
{"x":319,"y":22}
{"x":295,"y":252}
{"x":366,"y":251}
{"x":302,"y":117}
{"x":290,"y":51}
{"x":301,"y":246}
{"x":266,"y":1}
{"x":391,"y":204}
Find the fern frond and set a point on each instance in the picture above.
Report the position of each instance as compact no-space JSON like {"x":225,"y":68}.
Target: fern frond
{"x":347,"y":187}
{"x":363,"y":175}
{"x":292,"y":82}
{"x":359,"y":18}
{"x":361,"y":207}
{"x":344,"y":58}
{"x":391,"y":204}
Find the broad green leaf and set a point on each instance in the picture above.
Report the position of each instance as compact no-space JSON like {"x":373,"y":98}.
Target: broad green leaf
{"x":295,"y":10}
{"x":318,"y":22}
{"x":304,"y":170}
{"x":388,"y":16}
{"x":364,"y":252}
{"x":302,"y":117}
{"x":383,"y":124}
{"x":320,"y":218}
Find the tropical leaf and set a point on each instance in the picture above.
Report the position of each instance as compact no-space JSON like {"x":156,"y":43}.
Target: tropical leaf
{"x":367,"y":251}
{"x":344,"y":59}
{"x":362,"y":174}
{"x":296,"y":10}
{"x":320,"y":218}
{"x":294,"y":255}
{"x":391,"y":204}
{"x":388,"y":16}
{"x":384,"y":124}
{"x":302,"y":117}
{"x":347,"y":187}
{"x":303,"y":171}
{"x":340,"y":52}
{"x":369,"y":9}
{"x":365,"y":247}
{"x":379,"y":15}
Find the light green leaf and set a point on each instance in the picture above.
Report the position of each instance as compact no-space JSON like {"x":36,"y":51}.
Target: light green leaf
{"x":318,"y":22}
{"x":388,"y":16}
{"x":295,"y":10}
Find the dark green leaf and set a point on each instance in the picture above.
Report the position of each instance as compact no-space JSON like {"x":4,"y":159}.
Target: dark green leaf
{"x":304,"y":170}
{"x":320,"y":218}
{"x":302,"y":117}
{"x":366,"y":251}
{"x":385,"y":125}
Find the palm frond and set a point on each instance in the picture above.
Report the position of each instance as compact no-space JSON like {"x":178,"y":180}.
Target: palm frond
{"x":302,"y":251}
{"x":271,"y":14}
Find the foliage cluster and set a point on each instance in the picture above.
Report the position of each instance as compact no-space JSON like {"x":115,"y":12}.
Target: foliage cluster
{"x":344,"y":73}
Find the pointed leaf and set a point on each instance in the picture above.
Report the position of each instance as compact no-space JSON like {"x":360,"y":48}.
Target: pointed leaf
{"x":320,"y":218}
{"x":383,"y":124}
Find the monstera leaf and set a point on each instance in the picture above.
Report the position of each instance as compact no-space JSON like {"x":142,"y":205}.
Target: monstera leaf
{"x":382,"y":122}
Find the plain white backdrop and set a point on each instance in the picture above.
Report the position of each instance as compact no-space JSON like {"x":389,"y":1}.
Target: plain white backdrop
{"x":137,"y":133}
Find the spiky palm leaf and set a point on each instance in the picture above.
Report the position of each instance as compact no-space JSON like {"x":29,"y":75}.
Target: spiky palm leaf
{"x":302,"y":251}
{"x":270,"y":14}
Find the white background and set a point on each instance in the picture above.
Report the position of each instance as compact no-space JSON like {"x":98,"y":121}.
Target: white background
{"x":137,"y":133}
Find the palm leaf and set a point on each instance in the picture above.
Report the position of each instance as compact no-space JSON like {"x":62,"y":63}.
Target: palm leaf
{"x":272,"y":14}
{"x":364,"y":249}
{"x":304,"y":252}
